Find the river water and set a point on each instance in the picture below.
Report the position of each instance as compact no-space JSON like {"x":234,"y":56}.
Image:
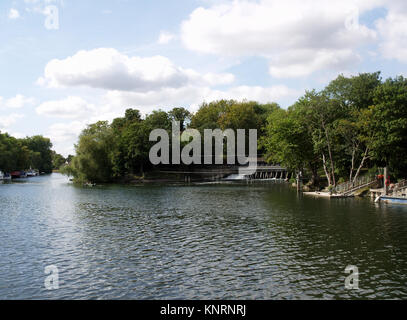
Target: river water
{"x":214,"y":241}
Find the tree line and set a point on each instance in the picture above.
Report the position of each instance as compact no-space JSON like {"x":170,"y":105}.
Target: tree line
{"x":354,"y":123}
{"x":30,"y":152}
{"x":333,"y":135}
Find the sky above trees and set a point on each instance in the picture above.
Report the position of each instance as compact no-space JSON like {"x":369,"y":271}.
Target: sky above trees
{"x":98,"y":59}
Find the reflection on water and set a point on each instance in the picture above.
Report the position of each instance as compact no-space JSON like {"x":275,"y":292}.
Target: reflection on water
{"x":232,"y":241}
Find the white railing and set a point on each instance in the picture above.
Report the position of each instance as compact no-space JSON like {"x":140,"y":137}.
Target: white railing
{"x":360,"y":182}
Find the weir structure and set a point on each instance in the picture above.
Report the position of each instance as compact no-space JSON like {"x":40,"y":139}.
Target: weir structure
{"x":263,"y":172}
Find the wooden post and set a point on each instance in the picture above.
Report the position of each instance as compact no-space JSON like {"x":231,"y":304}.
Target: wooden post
{"x":385,"y":180}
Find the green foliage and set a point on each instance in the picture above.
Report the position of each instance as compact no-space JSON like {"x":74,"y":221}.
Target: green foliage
{"x":180,"y":114}
{"x":21,"y":154}
{"x":390,"y":124}
{"x":57,"y":160}
{"x":354,"y":124}
{"x":93,"y":161}
{"x":41,"y":158}
{"x":208,"y":115}
{"x":288,"y":142}
{"x":105,"y":152}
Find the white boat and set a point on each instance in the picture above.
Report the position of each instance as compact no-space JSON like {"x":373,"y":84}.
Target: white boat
{"x":32,"y":173}
{"x":1,"y":175}
{"x":393,"y":200}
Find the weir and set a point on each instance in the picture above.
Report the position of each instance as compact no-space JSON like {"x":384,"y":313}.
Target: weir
{"x":264,"y":172}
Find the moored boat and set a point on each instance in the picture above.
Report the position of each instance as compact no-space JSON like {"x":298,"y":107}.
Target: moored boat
{"x":391,"y":199}
{"x":32,"y":173}
{"x":15,"y":174}
{"x":18,"y":174}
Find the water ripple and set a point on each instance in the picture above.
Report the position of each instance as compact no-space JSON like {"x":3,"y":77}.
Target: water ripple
{"x":196,"y":242}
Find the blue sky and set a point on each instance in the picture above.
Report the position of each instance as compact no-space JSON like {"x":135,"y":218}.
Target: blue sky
{"x":105,"y":56}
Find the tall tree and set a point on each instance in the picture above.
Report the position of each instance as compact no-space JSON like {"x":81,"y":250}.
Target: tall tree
{"x":93,"y":160}
{"x":288,"y":142}
{"x":42,"y":146}
{"x":182,"y":115}
{"x":390,"y":124}
{"x":353,"y":96}
{"x":319,"y":114}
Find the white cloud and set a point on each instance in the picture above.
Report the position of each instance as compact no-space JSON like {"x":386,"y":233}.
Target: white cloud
{"x":7,"y":121}
{"x":165,"y":37}
{"x":279,"y":29}
{"x":62,"y":132}
{"x":106,"y":68}
{"x":255,"y":93}
{"x":13,"y":14}
{"x":70,"y":108}
{"x":305,"y":62}
{"x":14,"y":134}
{"x":16,"y":102}
{"x":65,"y":135}
{"x":393,"y":30}
{"x":191,"y":97}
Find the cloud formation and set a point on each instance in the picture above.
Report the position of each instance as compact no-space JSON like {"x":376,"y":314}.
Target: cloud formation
{"x":13,"y":14}
{"x":70,"y":108}
{"x":16,"y":102}
{"x":393,"y":30}
{"x":192,"y":96}
{"x":298,"y":37}
{"x":7,"y":121}
{"x":107,"y":68}
{"x":165,"y":37}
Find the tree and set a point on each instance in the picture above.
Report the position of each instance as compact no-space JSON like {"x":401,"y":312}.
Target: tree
{"x":135,"y":137}
{"x":288,"y":142}
{"x":390,"y":124}
{"x":355,"y":92}
{"x":10,"y":150}
{"x":358,"y":135}
{"x":57,"y":160}
{"x":208,"y":115}
{"x":93,"y":160}
{"x":318,"y":114}
{"x":240,"y":116}
{"x":20,"y":154}
{"x":180,"y":114}
{"x":354,"y":96}
{"x":42,"y":160}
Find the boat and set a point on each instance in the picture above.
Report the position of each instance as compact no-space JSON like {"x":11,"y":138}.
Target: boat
{"x":32,"y":173}
{"x":18,"y":174}
{"x":89,"y":184}
{"x":15,"y":174}
{"x":1,"y":175}
{"x":7,"y":177}
{"x":397,"y":194}
{"x":391,"y":199}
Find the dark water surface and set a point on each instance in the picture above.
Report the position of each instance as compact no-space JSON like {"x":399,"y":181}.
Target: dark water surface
{"x":258,"y":241}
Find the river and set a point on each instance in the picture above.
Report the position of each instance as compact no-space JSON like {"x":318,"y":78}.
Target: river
{"x":213,"y":241}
